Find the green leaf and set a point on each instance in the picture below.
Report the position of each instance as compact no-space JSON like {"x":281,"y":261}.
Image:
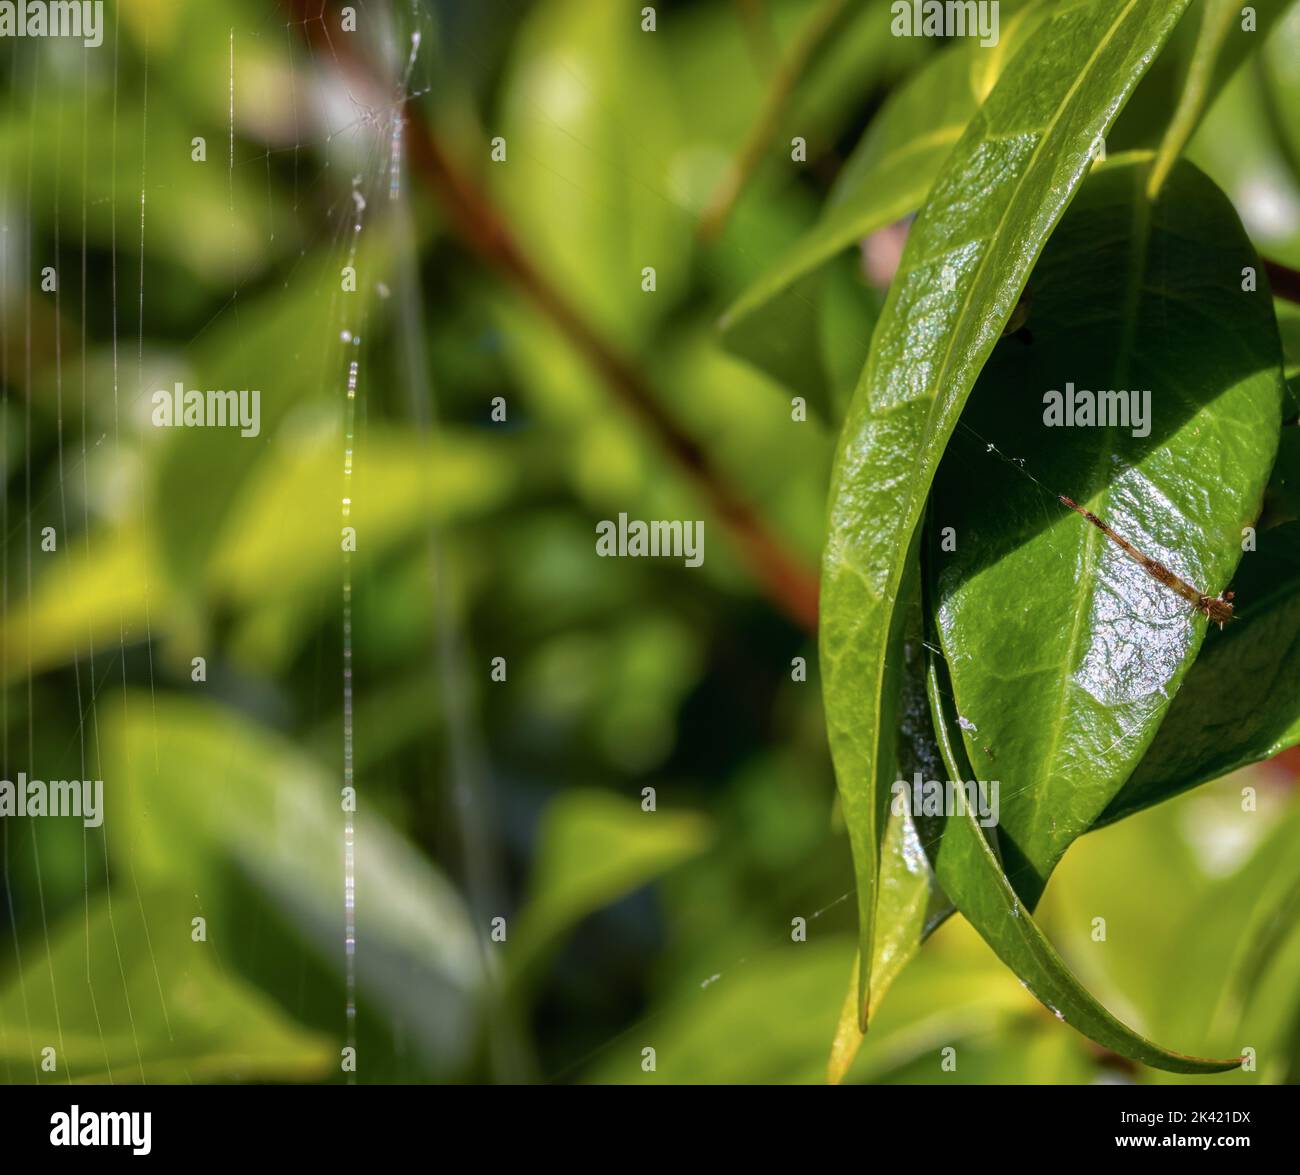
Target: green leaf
{"x":247,"y":800}
{"x":590,"y":123}
{"x":1240,"y":702}
{"x":1237,"y":145}
{"x":275,"y":547}
{"x":1284,"y":489}
{"x":849,"y":310}
{"x":969,"y":254}
{"x":1221,"y":46}
{"x":285,"y":343}
{"x":1256,"y":711}
{"x":825,"y":25}
{"x":278,"y":542}
{"x":1165,"y":860}
{"x":124,"y":994}
{"x":1063,"y":652}
{"x":1237,"y":971}
{"x":911,"y":904}
{"x":707,"y":1035}
{"x":1204,"y":53}
{"x":93,"y":594}
{"x":594,"y":849}
{"x":856,"y":63}
{"x":1279,"y":81}
{"x":779,"y":336}
{"x":891,"y":169}
{"x":1288,"y":324}
{"x":971,"y":874}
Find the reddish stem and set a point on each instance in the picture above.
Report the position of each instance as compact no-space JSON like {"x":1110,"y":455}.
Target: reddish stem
{"x":788,"y":582}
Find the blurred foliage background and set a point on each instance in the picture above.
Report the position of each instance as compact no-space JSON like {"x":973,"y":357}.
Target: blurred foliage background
{"x":478,"y":798}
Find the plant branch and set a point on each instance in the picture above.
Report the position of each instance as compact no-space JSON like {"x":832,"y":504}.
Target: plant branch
{"x":788,"y":582}
{"x":1284,"y":281}
{"x":792,"y":68}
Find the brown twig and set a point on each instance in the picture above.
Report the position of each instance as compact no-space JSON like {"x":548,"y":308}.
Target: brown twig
{"x":787,"y":581}
{"x":819,"y":27}
{"x":757,"y":23}
{"x":1284,"y":280}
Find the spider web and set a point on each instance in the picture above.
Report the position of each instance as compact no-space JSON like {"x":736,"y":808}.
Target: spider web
{"x":102,"y":297}
{"x":335,"y":160}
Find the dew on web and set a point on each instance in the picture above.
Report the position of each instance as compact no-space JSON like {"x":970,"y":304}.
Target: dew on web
{"x":352,"y":340}
{"x":399,"y":123}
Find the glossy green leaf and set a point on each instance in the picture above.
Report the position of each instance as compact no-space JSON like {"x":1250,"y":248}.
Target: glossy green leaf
{"x":911,"y":904}
{"x":972,"y":875}
{"x":969,"y":254}
{"x":1240,"y":702}
{"x":892,"y":168}
{"x":1063,"y":652}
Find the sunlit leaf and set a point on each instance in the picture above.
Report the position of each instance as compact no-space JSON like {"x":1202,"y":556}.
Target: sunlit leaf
{"x":589,"y":126}
{"x":1240,"y":702}
{"x":90,"y":597}
{"x":996,"y":200}
{"x":1064,"y":653}
{"x":973,"y":876}
{"x":198,"y":790}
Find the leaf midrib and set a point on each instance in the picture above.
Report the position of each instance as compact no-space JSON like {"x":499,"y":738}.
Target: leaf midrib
{"x":1140,"y":254}
{"x":913,"y":492}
